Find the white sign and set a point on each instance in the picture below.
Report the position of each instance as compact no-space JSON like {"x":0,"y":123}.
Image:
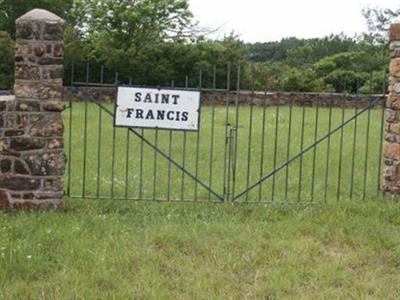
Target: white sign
{"x":157,"y":108}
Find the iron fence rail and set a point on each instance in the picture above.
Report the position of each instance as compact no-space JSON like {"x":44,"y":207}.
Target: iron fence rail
{"x":242,"y":152}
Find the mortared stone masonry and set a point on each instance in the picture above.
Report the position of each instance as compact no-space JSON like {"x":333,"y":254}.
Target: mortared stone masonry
{"x":32,"y":158}
{"x":391,"y":181}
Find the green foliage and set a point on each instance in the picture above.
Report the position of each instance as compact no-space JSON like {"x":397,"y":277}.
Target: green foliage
{"x":159,"y":65}
{"x":345,"y":80}
{"x":376,"y":82}
{"x":347,"y":71}
{"x":122,"y":33}
{"x":155,"y":42}
{"x":302,"y":81}
{"x":6,"y":61}
{"x":345,"y":60}
{"x":316,"y":49}
{"x":336,"y":62}
{"x":296,"y":52}
{"x":273,"y":51}
{"x":10,"y":10}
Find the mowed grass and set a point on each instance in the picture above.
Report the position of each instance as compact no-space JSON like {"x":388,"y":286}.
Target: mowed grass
{"x":116,"y":164}
{"x":136,"y":250}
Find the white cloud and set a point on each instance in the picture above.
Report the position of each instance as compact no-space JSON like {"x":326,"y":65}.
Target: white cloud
{"x":267,"y":20}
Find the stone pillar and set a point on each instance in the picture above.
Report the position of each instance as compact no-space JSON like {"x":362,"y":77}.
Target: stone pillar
{"x":32,"y":159}
{"x":391,"y":180}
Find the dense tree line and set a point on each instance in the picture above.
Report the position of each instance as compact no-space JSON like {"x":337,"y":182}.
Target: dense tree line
{"x":153,"y":42}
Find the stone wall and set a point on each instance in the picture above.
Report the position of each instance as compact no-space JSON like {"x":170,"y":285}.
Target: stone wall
{"x":31,"y":148}
{"x":108,"y":94}
{"x":391,"y":175}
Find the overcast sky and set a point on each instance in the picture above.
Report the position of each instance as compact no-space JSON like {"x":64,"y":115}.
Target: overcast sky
{"x":270,"y":20}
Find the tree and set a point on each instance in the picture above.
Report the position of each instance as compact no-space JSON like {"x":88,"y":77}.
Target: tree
{"x":10,"y":10}
{"x":346,"y":81}
{"x":120,"y":33}
{"x":315,"y":49}
{"x":376,"y":83}
{"x":273,"y":51}
{"x":295,"y":80}
{"x":346,"y":71}
{"x":378,"y":22}
{"x":6,"y":61}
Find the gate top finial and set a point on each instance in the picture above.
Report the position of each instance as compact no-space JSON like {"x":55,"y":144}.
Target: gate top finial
{"x":40,"y":14}
{"x":394,"y":33}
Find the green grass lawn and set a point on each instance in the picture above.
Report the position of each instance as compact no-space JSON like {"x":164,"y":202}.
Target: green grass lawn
{"x":139,"y":250}
{"x":136,"y":250}
{"x":133,"y":170}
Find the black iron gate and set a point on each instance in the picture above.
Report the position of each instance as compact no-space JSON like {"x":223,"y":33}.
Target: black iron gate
{"x":251,"y":146}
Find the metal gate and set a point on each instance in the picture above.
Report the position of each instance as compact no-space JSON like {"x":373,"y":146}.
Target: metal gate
{"x":255,"y":147}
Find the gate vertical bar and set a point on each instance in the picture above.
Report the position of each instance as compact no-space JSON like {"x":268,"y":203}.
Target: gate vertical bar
{"x":250,"y":135}
{"x":127,"y":157}
{"x":85,"y":132}
{"x":262,"y":142}
{"x":227,"y":125}
{"x":328,"y":151}
{"x":303,"y":117}
{"x":100,"y":126}
{"x":198,"y":142}
{"x":275,"y":148}
{"x":378,"y":187}
{"x":155,"y":163}
{"x":289,"y":140}
{"x":367,"y":140}
{"x":169,"y":165}
{"x":184,"y":151}
{"x":210,"y":183}
{"x":236,"y":128}
{"x":141,"y":165}
{"x":70,"y":134}
{"x":340,"y":152}
{"x":315,"y":150}
{"x":113,"y":147}
{"x":170,"y":155}
{"x":354,"y":146}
